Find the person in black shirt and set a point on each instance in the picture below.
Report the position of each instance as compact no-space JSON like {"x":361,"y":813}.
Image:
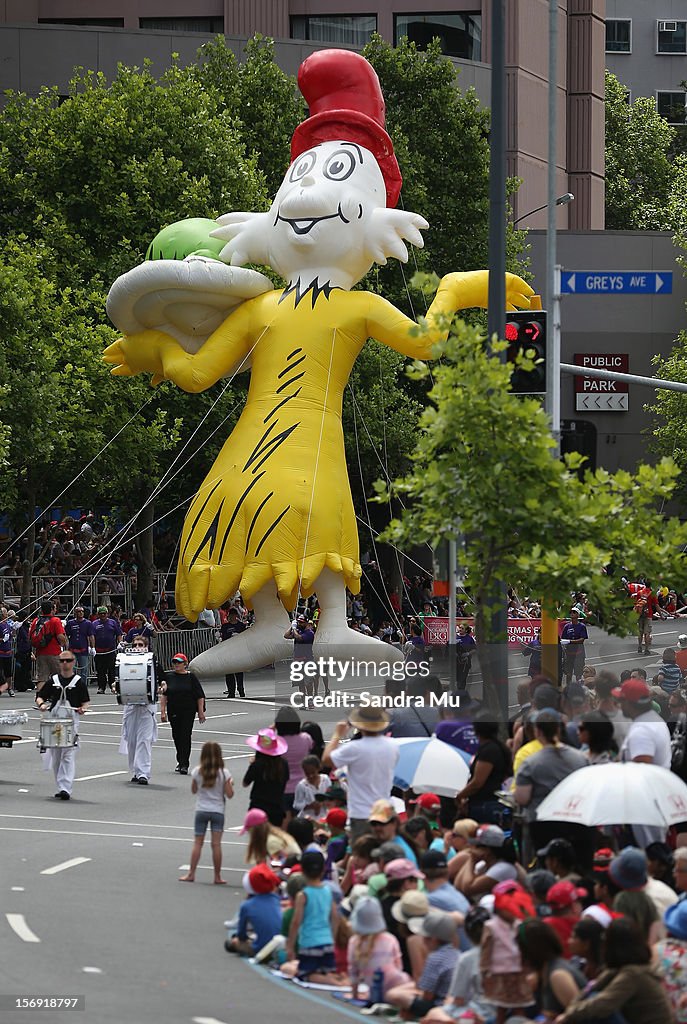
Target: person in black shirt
{"x":69,"y":691}
{"x":268,"y":774}
{"x":232,"y":627}
{"x":490,"y":767}
{"x":181,"y":698}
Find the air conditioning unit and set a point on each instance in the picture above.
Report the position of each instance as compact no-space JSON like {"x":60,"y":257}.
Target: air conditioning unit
{"x":667,"y":26}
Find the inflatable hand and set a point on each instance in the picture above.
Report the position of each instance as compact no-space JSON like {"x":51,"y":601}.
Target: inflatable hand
{"x":139,"y":353}
{"x":472,"y":289}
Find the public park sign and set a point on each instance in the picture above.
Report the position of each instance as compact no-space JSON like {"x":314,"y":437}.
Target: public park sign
{"x":616,"y":282}
{"x":595,"y":395}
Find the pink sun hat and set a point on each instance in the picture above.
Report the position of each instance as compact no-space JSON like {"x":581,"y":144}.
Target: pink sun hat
{"x":266,"y":741}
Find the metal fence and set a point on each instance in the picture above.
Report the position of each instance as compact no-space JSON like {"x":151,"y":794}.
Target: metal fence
{"x":190,"y":642}
{"x":85,"y":589}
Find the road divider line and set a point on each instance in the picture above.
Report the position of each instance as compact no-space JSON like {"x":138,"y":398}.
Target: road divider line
{"x":93,"y":821}
{"x":74,"y":862}
{"x":17,"y":923}
{"x":101,"y":835}
{"x":105,"y":775}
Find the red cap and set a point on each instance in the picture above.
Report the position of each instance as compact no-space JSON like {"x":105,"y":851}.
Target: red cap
{"x":564,"y":894}
{"x":180,"y":657}
{"x":345,"y":101}
{"x":336,"y":817}
{"x":429,"y":802}
{"x":634,"y":690}
{"x":262,"y":879}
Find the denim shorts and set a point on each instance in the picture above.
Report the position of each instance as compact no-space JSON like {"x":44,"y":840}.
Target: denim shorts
{"x":318,"y":960}
{"x":204,"y":818}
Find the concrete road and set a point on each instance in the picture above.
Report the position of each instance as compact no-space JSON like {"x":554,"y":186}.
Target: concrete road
{"x":91,"y":904}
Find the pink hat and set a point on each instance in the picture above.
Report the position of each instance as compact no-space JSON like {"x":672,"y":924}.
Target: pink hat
{"x":254,"y":817}
{"x":402,"y":868}
{"x":266,"y":741}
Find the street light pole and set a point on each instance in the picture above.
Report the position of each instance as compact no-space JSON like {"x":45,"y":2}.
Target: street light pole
{"x":561,"y":201}
{"x":497,"y":654}
{"x":549,"y":625}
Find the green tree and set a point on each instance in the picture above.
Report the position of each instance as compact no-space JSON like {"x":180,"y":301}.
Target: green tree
{"x":441,"y":138}
{"x":88,"y":182}
{"x":483,"y":469}
{"x":642,"y":177}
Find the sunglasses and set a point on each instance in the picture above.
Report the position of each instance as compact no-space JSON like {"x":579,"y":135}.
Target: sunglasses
{"x":66,"y":661}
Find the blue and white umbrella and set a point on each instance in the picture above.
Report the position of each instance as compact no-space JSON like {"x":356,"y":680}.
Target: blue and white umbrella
{"x":429,"y":765}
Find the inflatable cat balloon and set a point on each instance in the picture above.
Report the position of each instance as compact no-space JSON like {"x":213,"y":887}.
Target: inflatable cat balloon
{"x":274,"y":517}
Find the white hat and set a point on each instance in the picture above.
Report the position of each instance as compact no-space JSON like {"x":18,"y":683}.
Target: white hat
{"x":682,"y":640}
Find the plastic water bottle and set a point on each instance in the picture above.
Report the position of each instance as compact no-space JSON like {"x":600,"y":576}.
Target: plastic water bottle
{"x":377,"y":987}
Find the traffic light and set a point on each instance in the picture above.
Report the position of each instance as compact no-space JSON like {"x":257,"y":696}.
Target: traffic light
{"x":526,"y":333}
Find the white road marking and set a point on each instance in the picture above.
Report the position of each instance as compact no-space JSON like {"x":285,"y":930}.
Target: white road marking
{"x":17,"y":888}
{"x":93,"y":821}
{"x":101,"y":835}
{"x":22,"y":791}
{"x":92,"y":970}
{"x":65,"y":865}
{"x":206,"y":1020}
{"x":105,"y":775}
{"x":137,"y":844}
{"x":18,"y":924}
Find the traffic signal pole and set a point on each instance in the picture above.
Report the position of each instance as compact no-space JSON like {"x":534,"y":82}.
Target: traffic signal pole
{"x":497,"y":652}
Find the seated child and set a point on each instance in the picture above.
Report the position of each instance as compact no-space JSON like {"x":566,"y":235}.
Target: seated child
{"x":260,"y":913}
{"x":372,"y":948}
{"x":465,"y":994}
{"x":313,"y":925}
{"x":440,"y":932}
{"x":305,"y":802}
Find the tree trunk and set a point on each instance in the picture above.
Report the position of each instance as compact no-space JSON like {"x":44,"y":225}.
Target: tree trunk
{"x":27,"y":565}
{"x":144,"y":553}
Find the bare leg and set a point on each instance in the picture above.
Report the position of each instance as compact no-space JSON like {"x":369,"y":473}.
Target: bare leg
{"x":195,"y":857}
{"x":262,"y":644}
{"x":216,"y":844}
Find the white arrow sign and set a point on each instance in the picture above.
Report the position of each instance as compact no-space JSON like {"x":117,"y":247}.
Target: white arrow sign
{"x":602,"y":403}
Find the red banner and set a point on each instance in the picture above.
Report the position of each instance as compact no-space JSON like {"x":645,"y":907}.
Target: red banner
{"x":519,"y":630}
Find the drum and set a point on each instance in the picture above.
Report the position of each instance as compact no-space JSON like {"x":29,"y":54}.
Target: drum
{"x":135,"y":678}
{"x":56,"y":732}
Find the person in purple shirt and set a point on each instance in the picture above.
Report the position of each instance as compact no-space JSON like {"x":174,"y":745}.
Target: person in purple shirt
{"x":106,"y":633}
{"x":6,"y":637}
{"x":79,"y":631}
{"x":575,"y":633}
{"x":303,"y":637}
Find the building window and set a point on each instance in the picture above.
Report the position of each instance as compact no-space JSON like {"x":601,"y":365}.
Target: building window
{"x":460,"y":35}
{"x":349,"y":29}
{"x":618,"y":35}
{"x":209,"y":24}
{"x":672,"y":106}
{"x":96,"y":22}
{"x":671,"y":37}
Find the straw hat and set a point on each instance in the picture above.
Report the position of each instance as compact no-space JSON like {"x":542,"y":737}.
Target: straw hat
{"x":369,"y":719}
{"x":412,"y":903}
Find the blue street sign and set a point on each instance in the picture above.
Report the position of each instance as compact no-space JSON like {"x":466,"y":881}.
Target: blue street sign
{"x":611,"y":282}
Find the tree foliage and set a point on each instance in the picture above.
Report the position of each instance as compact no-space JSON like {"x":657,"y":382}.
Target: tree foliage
{"x":441,"y":138}
{"x":646,"y":184}
{"x":87,"y":181}
{"x":484,"y":470}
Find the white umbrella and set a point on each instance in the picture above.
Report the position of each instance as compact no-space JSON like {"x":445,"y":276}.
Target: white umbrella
{"x":430,"y":766}
{"x":626,"y":793}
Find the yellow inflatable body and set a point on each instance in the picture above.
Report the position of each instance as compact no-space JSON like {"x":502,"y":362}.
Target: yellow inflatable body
{"x":274,"y":518}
